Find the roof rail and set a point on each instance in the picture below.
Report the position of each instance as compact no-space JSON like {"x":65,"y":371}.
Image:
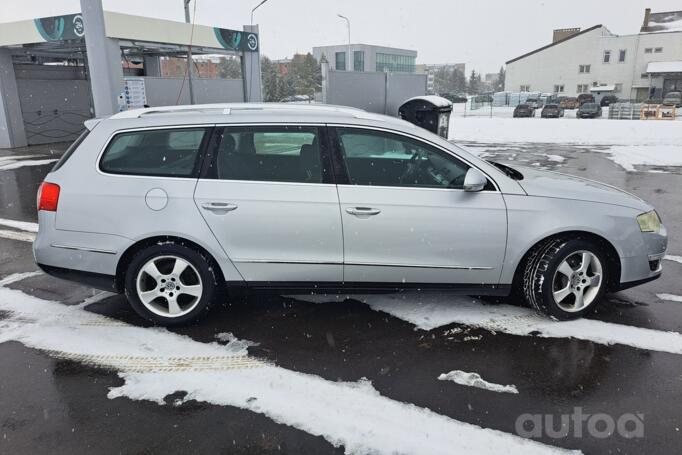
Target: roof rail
{"x":227,"y":109}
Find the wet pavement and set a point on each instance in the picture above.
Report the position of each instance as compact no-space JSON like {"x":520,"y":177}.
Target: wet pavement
{"x":61,"y":406}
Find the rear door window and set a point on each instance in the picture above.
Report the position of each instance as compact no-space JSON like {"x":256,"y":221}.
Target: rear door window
{"x":158,"y":153}
{"x":269,"y":154}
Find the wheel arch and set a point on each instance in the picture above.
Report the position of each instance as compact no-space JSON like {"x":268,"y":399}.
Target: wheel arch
{"x":612,"y":255}
{"x":128,"y":254}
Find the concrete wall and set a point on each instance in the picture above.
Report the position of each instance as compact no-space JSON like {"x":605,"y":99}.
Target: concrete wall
{"x":382,"y":93}
{"x":402,"y":87}
{"x":164,"y":91}
{"x":362,"y":90}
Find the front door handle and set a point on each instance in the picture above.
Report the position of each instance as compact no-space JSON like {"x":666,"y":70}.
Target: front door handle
{"x":219,"y":207}
{"x":363,"y":211}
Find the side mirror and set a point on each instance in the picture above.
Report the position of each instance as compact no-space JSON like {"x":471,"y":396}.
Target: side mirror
{"x":474,"y":181}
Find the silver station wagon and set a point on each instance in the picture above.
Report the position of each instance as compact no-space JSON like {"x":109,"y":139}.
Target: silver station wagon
{"x":175,"y":205}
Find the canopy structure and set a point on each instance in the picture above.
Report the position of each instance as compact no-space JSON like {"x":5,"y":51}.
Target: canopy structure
{"x":664,"y":67}
{"x":97,"y":44}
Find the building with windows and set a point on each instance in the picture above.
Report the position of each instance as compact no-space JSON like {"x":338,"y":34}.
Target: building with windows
{"x":431,"y":70}
{"x":367,"y":58}
{"x":639,"y":66}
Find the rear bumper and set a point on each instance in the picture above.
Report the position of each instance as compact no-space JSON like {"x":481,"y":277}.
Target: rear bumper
{"x":93,"y":280}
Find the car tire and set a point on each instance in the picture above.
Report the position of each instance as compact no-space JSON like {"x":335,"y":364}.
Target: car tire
{"x":565,"y":278}
{"x":171,"y":284}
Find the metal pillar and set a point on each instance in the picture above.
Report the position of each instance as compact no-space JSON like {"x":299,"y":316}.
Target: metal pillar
{"x":12,"y":132}
{"x":152,"y":65}
{"x":104,"y":60}
{"x":251,"y":71}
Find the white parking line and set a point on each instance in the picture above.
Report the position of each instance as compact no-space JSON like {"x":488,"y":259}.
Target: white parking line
{"x":17,"y":235}
{"x":18,"y":277}
{"x":354,"y":415}
{"x":8,"y":165}
{"x":670,"y":297}
{"x":26,"y":226}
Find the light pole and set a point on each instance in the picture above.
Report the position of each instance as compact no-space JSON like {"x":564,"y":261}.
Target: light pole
{"x":349,"y":53}
{"x":190,"y":62}
{"x":255,"y":8}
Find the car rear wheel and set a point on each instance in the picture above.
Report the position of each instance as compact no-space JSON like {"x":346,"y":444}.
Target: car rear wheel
{"x":170,"y":284}
{"x":565,"y":278}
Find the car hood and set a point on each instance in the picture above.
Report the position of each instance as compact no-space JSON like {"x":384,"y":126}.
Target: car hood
{"x":557,"y":185}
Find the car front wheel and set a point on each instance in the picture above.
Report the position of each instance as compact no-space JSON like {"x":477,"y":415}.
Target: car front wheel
{"x":565,"y":278}
{"x":170,"y":284}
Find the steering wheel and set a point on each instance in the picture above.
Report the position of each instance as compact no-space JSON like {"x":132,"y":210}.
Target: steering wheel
{"x":414,"y":167}
{"x":458,"y":182}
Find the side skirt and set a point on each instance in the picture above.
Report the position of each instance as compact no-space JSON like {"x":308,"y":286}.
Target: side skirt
{"x":502,"y":290}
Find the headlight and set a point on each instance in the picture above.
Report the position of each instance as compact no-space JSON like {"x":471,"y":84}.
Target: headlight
{"x":649,"y":222}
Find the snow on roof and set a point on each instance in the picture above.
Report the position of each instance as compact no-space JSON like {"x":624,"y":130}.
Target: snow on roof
{"x":603,"y":88}
{"x":664,"y":67}
{"x":665,"y":22}
{"x":435,"y":100}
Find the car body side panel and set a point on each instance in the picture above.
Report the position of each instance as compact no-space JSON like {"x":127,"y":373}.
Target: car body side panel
{"x":95,"y":208}
{"x":530,"y":222}
{"x":455,"y":236}
{"x":279,"y":231}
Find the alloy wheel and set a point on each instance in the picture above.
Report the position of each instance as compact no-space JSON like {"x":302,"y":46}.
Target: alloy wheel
{"x":169,"y":286}
{"x":577,"y":281}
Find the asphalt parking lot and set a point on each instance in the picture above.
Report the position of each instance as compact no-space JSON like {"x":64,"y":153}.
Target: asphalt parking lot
{"x":622,"y":362}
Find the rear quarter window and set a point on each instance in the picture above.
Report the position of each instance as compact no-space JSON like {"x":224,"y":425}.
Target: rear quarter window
{"x":157,"y":153}
{"x":72,"y":148}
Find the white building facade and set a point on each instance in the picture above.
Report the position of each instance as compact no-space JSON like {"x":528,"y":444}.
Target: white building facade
{"x":596,"y":60}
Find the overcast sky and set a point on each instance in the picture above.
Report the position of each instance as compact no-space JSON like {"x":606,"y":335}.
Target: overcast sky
{"x":481,"y":33}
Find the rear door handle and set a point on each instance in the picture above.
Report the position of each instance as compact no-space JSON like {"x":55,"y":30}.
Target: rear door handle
{"x":363,"y":211}
{"x":219,"y":207}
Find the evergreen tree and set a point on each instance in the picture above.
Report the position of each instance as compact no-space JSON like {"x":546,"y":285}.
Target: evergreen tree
{"x":474,"y":83}
{"x":500,"y":79}
{"x":229,"y":68}
{"x":270,"y":80}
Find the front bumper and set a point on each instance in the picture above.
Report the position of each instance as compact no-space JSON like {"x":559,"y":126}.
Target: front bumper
{"x":648,"y":265}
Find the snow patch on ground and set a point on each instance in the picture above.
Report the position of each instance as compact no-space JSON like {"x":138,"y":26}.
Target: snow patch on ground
{"x":353,"y":415}
{"x":669,"y":257}
{"x":565,"y":131}
{"x":428,"y":311}
{"x":475,"y":380}
{"x":628,"y":156}
{"x":7,"y":165}
{"x":670,"y":297}
{"x":21,"y":225}
{"x":234,"y":344}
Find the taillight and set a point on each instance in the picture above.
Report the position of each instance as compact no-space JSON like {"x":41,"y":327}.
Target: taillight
{"x":48,"y":197}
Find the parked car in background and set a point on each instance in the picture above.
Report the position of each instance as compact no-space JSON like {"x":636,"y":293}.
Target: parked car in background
{"x":673,"y":99}
{"x":535,"y":103}
{"x":589,"y":110}
{"x":569,"y":102}
{"x":552,"y":111}
{"x":175,"y":206}
{"x":524,"y":110}
{"x":585,"y":98}
{"x":456,"y":98}
{"x":608,"y":100}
